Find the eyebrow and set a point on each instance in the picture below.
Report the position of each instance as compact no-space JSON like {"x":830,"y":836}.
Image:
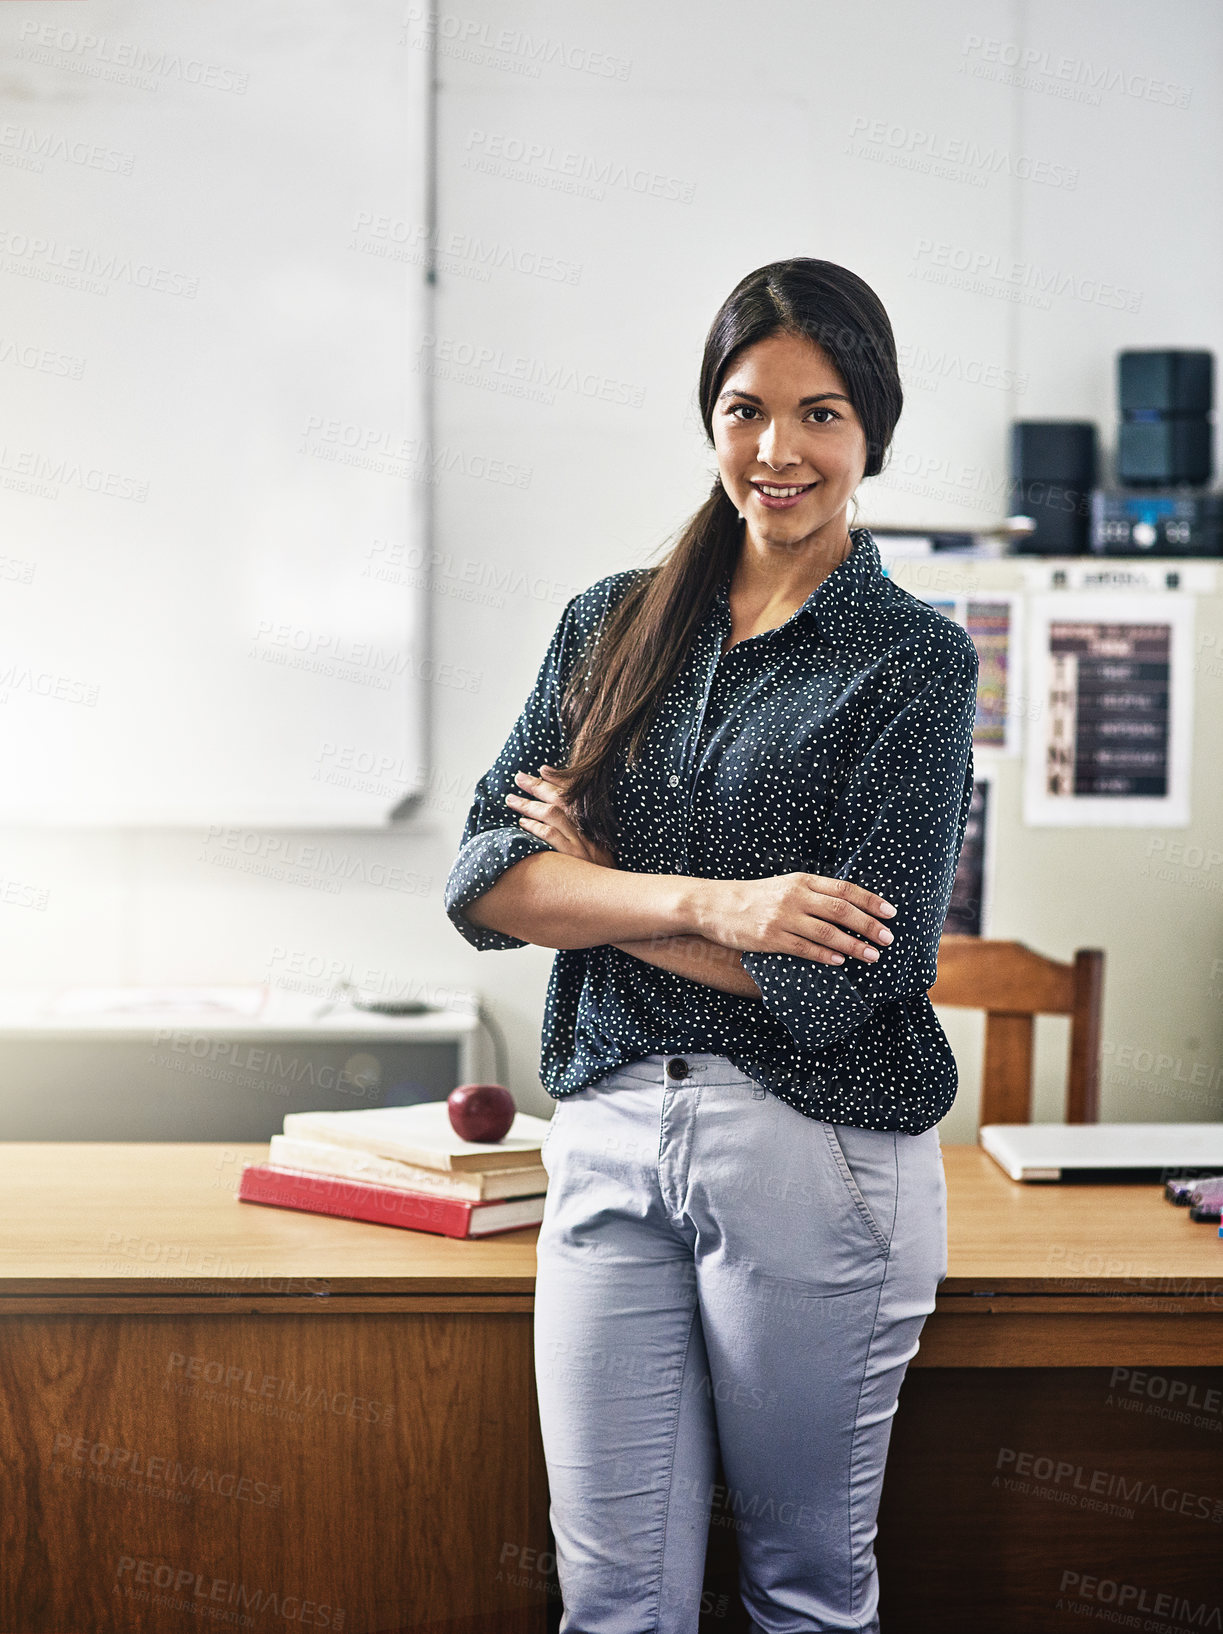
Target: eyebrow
{"x":732,"y":391}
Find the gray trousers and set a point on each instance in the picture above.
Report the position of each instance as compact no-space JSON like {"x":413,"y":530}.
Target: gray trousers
{"x":720,"y":1273}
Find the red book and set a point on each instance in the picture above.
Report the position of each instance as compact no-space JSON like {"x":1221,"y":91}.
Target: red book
{"x":385,"y":1205}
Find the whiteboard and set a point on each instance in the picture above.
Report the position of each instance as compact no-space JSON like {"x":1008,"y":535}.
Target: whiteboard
{"x":214,"y":467}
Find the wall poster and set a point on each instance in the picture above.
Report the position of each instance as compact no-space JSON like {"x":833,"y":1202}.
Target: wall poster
{"x":967,"y":915}
{"x":993,"y":622}
{"x":1110,"y":725}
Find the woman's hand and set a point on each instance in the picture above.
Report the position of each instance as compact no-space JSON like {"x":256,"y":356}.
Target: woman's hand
{"x":805,"y":914}
{"x":545,"y":814}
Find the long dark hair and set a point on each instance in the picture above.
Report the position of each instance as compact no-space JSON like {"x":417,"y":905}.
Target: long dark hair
{"x":613,"y":691}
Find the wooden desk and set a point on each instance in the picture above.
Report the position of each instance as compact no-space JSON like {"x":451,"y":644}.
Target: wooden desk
{"x":255,"y":1408}
{"x":327,"y":1424}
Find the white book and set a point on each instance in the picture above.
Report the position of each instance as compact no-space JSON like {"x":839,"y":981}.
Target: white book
{"x":350,"y":1163}
{"x":421,"y":1135}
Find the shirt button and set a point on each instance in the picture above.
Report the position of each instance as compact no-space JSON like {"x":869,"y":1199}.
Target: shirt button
{"x":673,"y":780}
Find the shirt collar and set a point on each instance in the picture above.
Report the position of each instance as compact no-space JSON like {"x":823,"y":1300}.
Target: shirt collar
{"x":838,"y":603}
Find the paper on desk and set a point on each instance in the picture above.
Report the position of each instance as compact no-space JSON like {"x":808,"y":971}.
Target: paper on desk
{"x":98,"y":1001}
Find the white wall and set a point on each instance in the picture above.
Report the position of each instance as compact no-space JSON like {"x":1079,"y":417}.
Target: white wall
{"x":1088,"y":178}
{"x":730,"y":138}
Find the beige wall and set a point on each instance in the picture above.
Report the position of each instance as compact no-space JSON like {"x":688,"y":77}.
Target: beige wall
{"x":1121,"y":889}
{"x":1089,"y":209}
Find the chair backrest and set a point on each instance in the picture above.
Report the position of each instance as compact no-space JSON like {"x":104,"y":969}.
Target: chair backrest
{"x":1013,"y":984}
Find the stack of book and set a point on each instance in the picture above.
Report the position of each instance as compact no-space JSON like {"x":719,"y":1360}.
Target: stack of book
{"x":403,"y":1166}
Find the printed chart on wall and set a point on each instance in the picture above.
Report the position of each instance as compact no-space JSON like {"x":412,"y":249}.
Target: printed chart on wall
{"x":1111,"y":682}
{"x":993,"y":623}
{"x":968,"y":913}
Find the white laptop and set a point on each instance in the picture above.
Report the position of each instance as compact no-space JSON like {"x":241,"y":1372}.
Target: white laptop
{"x":1047,"y":1151}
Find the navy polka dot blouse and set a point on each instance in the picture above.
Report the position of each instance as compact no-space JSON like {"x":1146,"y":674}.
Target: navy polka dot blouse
{"x":839,"y":743}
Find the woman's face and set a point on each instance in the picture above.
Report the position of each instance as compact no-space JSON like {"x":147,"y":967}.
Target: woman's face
{"x":783,"y":421}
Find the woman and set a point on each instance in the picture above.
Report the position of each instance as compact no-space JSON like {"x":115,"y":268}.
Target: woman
{"x":734,"y":803}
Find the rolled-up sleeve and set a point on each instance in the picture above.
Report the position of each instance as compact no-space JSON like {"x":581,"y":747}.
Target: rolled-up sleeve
{"x":896,"y":827}
{"x":492,"y":841}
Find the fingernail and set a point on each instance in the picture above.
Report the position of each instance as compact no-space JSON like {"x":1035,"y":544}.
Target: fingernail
{"x":888,"y":909}
{"x":871,"y":953}
{"x":885,"y":935}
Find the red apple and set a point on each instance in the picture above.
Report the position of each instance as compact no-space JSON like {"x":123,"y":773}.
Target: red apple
{"x":481,"y":1112}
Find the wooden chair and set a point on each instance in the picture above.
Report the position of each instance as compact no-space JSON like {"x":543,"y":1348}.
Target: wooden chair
{"x":1013,"y":984}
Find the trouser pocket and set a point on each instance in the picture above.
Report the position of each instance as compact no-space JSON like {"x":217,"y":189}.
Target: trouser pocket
{"x":866,"y":1161}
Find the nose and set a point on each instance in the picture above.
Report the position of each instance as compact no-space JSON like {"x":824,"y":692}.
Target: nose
{"x":774,"y":449}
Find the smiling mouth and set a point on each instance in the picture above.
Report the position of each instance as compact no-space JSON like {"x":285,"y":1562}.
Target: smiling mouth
{"x":775,"y":491}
